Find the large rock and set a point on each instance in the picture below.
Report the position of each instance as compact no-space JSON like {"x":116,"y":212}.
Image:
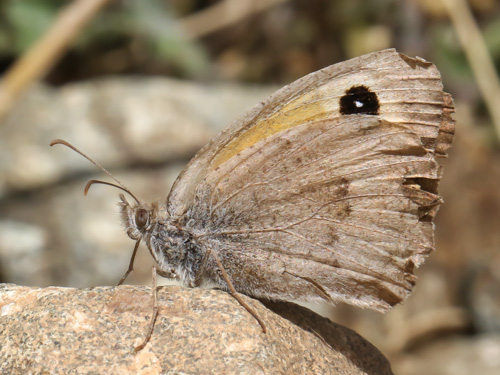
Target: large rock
{"x":198,"y":331}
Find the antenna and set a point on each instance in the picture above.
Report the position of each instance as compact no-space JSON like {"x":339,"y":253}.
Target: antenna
{"x":119,"y":185}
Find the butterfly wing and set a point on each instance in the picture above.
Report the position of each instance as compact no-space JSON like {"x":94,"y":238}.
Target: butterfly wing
{"x":328,"y":189}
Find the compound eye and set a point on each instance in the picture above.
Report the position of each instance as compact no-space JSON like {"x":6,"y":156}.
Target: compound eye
{"x":141,"y":218}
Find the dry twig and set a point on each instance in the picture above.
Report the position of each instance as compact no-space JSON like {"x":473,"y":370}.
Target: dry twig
{"x":223,"y":14}
{"x":477,"y":53}
{"x":45,"y":53}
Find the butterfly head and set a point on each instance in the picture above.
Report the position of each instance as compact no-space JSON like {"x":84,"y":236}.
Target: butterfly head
{"x":138,"y":218}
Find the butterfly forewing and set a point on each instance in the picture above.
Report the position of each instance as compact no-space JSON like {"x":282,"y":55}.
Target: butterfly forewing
{"x":409,"y":92}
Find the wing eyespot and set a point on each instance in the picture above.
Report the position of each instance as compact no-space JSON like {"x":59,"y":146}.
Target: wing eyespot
{"x":359,"y":100}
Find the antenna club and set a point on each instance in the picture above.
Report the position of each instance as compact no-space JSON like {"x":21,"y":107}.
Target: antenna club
{"x":57,"y":142}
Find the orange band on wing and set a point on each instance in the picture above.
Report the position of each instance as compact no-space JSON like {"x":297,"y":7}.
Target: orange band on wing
{"x":299,"y":111}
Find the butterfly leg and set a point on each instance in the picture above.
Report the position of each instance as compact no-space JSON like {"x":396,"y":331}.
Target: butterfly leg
{"x":131,"y":264}
{"x":235,"y":294}
{"x":156,"y":308}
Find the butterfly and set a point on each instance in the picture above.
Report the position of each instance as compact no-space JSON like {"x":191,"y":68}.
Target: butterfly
{"x":326,"y":191}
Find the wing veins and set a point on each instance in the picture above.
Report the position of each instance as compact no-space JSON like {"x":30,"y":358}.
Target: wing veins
{"x":257,"y":150}
{"x":221,"y":204}
{"x":352,"y":172}
{"x":312,"y":216}
{"x":366,"y":228}
{"x":336,"y":97}
{"x":373,"y":273}
{"x":339,"y":151}
{"x":237,"y":192}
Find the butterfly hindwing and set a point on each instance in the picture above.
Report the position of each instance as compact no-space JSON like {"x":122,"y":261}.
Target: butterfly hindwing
{"x":325,"y":202}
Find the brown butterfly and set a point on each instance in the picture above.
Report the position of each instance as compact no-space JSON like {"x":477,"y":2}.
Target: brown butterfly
{"x":326,"y":191}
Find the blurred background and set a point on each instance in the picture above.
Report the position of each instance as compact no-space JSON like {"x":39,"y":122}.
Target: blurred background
{"x":141,"y":85}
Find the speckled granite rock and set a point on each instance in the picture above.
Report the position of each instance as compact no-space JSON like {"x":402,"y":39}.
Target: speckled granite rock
{"x":198,"y":331}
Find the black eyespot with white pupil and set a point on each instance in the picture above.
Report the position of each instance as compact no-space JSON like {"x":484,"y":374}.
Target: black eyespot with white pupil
{"x":141,"y":218}
{"x":359,"y":100}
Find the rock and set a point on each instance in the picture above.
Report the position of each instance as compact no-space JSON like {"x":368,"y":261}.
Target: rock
{"x":453,"y":355}
{"x":198,"y":331}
